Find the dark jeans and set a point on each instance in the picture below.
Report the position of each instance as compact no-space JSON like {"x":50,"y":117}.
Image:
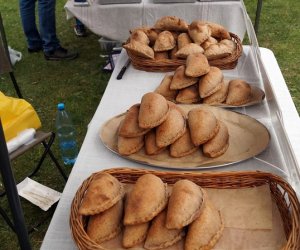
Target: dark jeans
{"x":46,"y":36}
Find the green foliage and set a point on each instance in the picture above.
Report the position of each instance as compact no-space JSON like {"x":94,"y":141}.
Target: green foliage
{"x":80,"y":85}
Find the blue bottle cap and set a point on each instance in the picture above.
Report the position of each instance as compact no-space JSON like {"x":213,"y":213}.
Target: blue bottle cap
{"x":61,"y":106}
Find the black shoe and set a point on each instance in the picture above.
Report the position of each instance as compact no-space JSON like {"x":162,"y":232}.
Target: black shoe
{"x":34,"y":50}
{"x":60,"y":54}
{"x":80,"y":30}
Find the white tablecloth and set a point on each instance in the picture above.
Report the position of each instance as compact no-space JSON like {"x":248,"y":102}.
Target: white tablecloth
{"x":115,"y":20}
{"x":120,"y":95}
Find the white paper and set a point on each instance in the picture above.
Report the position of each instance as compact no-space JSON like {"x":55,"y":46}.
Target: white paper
{"x":24,"y":137}
{"x":38,"y":194}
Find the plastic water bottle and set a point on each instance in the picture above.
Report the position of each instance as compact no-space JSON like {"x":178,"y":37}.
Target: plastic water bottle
{"x":66,"y":135}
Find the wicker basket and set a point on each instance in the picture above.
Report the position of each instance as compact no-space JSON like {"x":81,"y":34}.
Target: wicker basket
{"x":165,"y":65}
{"x":282,"y":193}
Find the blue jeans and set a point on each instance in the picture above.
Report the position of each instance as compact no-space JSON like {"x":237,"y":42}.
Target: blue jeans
{"x":46,"y":36}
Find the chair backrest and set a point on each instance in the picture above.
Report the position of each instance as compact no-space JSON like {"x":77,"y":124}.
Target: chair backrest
{"x":5,"y":63}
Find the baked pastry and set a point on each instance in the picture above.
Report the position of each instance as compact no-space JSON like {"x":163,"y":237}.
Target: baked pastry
{"x":159,"y":236}
{"x":211,"y":82}
{"x":209,"y":42}
{"x":154,"y":110}
{"x":171,"y":129}
{"x":184,"y":204}
{"x":199,"y":32}
{"x":188,"y":95}
{"x":188,"y":49}
{"x":129,"y":127}
{"x":203,"y":125}
{"x":149,"y":31}
{"x":161,"y":55}
{"x":183,"y":146}
{"x":175,"y":106}
{"x":220,"y":50}
{"x":140,"y":49}
{"x":171,"y":23}
{"x":103,"y":192}
{"x":148,"y":198}
{"x":196,"y":65}
{"x":130,"y":145}
{"x":106,"y":225}
{"x":139,"y":36}
{"x":239,"y":92}
{"x":217,"y":30}
{"x":180,"y":80}
{"x":165,"y":41}
{"x":183,"y":39}
{"x":206,"y":230}
{"x":134,"y":234}
{"x":218,"y":144}
{"x":151,"y":147}
{"x":219,"y":96}
{"x":164,"y":88}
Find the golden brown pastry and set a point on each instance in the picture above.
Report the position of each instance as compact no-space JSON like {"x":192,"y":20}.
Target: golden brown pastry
{"x":134,"y":234}
{"x":211,"y":82}
{"x":173,"y":52}
{"x":161,"y":55}
{"x":154,"y":110}
{"x":171,"y":129}
{"x":184,"y":204}
{"x":239,"y":92}
{"x":219,"y":96}
{"x":148,"y":198}
{"x":130,"y":125}
{"x":140,"y":49}
{"x":175,"y":34}
{"x":171,"y":23}
{"x":188,"y":49}
{"x":218,"y":144}
{"x":183,"y":146}
{"x":217,"y":30}
{"x":220,"y":50}
{"x":206,"y":230}
{"x":99,"y":197}
{"x":175,"y":106}
{"x":130,"y":145}
{"x":180,"y":80}
{"x":165,"y":41}
{"x":106,"y":225}
{"x":199,"y":32}
{"x":150,"y":32}
{"x":159,"y":236}
{"x":139,"y":36}
{"x":209,"y":42}
{"x":164,"y":88}
{"x":203,"y":125}
{"x":196,"y":65}
{"x":188,"y":95}
{"x":183,"y":39}
{"x":151,"y":147}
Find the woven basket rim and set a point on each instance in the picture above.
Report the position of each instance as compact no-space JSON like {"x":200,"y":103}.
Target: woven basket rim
{"x":239,"y":179}
{"x":164,"y":65}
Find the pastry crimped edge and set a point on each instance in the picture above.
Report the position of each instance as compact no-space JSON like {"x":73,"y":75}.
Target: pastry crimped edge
{"x":194,"y":149}
{"x":160,"y":121}
{"x":109,"y":203}
{"x":216,"y":237}
{"x":156,"y":211}
{"x":110,"y":236}
{"x":134,"y":149}
{"x":211,"y":135}
{"x":218,"y":153}
{"x":137,"y":241}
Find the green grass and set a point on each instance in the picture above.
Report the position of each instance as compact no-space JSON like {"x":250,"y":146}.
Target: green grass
{"x":81,"y":83}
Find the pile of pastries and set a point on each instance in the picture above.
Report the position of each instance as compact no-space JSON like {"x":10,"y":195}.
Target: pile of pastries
{"x":173,"y":38}
{"x":160,"y":125}
{"x":198,"y":82}
{"x":150,"y":216}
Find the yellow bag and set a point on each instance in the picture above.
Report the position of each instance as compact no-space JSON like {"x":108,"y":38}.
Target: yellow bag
{"x":17,"y":115}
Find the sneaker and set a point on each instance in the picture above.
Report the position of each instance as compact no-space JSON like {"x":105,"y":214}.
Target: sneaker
{"x":80,"y":30}
{"x":60,"y":54}
{"x":34,"y":50}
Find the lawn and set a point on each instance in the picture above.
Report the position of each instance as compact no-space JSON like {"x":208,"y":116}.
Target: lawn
{"x":81,"y":83}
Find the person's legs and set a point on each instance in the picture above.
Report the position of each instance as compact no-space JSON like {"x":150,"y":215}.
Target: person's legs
{"x":27,"y":11}
{"x":46,"y":10}
{"x":79,"y":28}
